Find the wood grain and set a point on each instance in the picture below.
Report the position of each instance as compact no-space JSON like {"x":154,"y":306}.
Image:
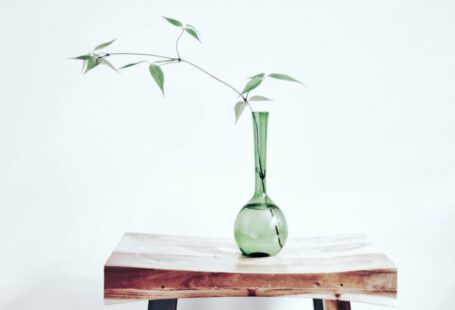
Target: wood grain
{"x":343,"y":267}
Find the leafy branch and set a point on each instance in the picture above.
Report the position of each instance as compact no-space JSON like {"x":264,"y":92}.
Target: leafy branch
{"x":95,"y":58}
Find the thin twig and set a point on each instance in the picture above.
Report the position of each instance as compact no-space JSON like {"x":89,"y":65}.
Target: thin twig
{"x":214,"y":77}
{"x":177,"y":43}
{"x":139,"y":54}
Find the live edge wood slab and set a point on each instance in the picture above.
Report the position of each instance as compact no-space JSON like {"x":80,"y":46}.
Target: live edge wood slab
{"x":344,"y":268}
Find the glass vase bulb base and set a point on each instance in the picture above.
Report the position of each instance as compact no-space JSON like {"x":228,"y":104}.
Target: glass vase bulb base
{"x":260,"y":229}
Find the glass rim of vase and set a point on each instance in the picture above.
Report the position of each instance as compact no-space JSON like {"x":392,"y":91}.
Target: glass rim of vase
{"x":260,"y":112}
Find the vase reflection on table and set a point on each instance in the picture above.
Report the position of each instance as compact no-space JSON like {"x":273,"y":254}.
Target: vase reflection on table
{"x":260,"y":227}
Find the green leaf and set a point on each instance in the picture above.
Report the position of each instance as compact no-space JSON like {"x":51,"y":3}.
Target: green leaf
{"x":107,"y":63}
{"x":238,"y":109}
{"x":285,"y":77}
{"x":193,"y":34}
{"x":158,"y":76}
{"x":91,"y":63}
{"x":130,"y":65}
{"x":259,"y":98}
{"x":252,"y":84}
{"x":173,"y":21}
{"x":260,"y":75}
{"x":83,"y":57}
{"x":103,"y":45}
{"x":192,"y":27}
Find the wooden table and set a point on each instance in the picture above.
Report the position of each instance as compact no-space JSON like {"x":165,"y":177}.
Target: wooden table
{"x":333,"y":270}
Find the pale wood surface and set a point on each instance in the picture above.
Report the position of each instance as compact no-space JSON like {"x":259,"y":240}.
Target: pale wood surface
{"x":345,"y":267}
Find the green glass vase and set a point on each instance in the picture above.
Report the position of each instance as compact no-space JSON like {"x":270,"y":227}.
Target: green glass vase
{"x":260,"y":227}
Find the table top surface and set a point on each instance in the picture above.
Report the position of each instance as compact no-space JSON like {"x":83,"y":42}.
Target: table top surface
{"x":302,"y":255}
{"x":346,"y":267}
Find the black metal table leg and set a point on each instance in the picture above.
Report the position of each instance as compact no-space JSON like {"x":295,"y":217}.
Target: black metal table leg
{"x":164,"y":304}
{"x":318,"y":304}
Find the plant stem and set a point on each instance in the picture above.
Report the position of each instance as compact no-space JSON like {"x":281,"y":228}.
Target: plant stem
{"x":139,"y":54}
{"x":214,"y":77}
{"x":177,"y":43}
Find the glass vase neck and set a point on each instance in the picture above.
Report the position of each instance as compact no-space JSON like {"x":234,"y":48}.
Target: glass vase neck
{"x":260,"y":124}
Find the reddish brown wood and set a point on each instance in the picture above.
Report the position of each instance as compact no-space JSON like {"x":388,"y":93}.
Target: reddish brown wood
{"x":337,"y":305}
{"x":166,"y":267}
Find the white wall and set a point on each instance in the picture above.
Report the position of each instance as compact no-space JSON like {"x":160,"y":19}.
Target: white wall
{"x":368,"y":147}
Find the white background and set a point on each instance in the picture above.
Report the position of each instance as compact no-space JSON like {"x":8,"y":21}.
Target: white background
{"x":368,"y":147}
